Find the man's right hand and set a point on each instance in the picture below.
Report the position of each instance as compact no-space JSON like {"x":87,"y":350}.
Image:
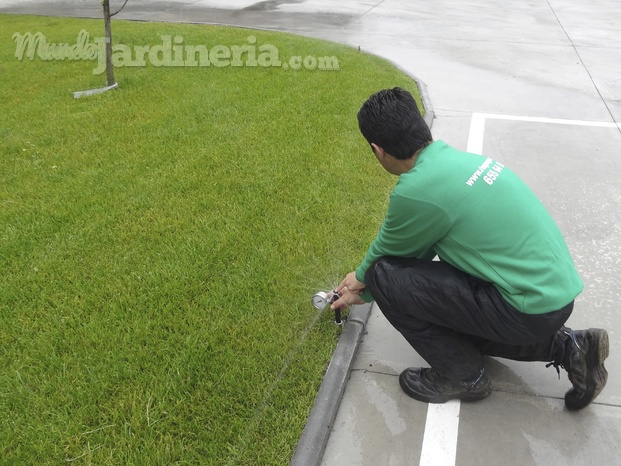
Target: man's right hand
{"x":349,"y":289}
{"x":347,"y":299}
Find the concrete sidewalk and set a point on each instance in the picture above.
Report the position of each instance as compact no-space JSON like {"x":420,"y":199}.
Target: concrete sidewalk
{"x":536,"y":85}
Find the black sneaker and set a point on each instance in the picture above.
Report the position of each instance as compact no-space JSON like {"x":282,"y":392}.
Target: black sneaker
{"x":584,"y":364}
{"x":426,"y":384}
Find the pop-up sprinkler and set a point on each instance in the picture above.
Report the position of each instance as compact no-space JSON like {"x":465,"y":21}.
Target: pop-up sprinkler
{"x":323,"y":299}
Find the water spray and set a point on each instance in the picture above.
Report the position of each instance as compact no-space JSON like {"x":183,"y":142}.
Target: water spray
{"x":322,"y":299}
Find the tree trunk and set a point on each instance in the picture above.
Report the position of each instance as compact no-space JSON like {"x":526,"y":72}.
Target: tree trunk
{"x":108,"y":27}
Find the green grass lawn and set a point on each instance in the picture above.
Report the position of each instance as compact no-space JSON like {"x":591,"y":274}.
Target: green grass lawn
{"x":159,"y":245}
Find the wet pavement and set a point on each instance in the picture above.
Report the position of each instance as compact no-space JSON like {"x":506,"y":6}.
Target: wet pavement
{"x":536,"y":85}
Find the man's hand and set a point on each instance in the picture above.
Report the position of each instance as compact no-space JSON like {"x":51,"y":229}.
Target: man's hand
{"x":351,"y":284}
{"x":349,"y":289}
{"x":347,"y":299}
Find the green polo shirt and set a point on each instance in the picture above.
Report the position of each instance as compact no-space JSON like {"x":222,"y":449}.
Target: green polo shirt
{"x":478,"y":216}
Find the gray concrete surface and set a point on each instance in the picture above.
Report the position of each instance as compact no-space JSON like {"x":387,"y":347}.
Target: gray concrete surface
{"x":535,"y":84}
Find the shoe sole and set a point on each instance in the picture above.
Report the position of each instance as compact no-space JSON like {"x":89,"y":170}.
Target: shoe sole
{"x":598,"y":339}
{"x":597,"y":375}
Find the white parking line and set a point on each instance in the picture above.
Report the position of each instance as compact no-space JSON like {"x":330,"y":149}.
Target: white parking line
{"x":557,"y":121}
{"x":477,"y":126}
{"x":477,"y":130}
{"x":440,"y":439}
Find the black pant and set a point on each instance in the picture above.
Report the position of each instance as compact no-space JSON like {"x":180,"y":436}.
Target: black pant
{"x":452,"y":319}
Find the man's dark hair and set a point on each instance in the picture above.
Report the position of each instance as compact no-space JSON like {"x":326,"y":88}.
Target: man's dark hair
{"x":391,"y":119}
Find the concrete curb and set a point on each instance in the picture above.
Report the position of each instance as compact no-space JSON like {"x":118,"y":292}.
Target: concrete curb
{"x":314,"y":439}
{"x":430,"y":114}
{"x":316,"y":433}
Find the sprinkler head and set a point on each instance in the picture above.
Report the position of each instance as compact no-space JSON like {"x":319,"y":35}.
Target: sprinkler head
{"x":322,"y":299}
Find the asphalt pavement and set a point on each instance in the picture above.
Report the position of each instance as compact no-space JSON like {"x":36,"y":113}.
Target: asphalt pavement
{"x":534,"y":84}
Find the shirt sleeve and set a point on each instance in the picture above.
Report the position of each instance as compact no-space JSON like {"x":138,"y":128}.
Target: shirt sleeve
{"x":411,"y":228}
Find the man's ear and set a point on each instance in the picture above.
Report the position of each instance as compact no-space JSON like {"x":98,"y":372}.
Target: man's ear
{"x":379,"y":152}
